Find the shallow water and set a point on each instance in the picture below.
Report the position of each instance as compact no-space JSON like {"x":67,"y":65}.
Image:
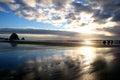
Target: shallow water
{"x":37,"y":62}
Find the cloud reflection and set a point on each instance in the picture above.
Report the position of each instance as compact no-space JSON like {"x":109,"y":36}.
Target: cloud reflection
{"x":73,"y":63}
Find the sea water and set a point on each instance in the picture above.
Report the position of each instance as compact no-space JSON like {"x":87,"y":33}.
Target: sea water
{"x":39,"y":62}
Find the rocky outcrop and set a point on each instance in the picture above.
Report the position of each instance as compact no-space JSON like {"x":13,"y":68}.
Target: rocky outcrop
{"x":14,"y":36}
{"x":22,"y":38}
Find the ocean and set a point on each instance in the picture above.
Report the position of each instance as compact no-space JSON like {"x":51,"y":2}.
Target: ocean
{"x":40,"y":62}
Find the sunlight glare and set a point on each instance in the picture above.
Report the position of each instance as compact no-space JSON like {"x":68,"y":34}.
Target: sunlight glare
{"x":87,"y":52}
{"x":89,"y":56}
{"x":87,"y":42}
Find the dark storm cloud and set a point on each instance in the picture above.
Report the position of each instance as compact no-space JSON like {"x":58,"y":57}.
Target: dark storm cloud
{"x":114,"y":30}
{"x":116,"y":16}
{"x":109,"y":8}
{"x":102,"y":15}
{"x":113,"y":8}
{"x":81,"y":7}
{"x":36,"y":31}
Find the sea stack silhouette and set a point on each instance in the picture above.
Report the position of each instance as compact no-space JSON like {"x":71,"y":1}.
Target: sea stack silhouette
{"x":13,"y":37}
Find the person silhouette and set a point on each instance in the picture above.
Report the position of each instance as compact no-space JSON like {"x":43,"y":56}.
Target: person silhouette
{"x":111,"y":42}
{"x":104,"y":42}
{"x":108,"y":42}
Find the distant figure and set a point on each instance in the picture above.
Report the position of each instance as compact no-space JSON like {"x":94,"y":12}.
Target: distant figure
{"x":104,"y":42}
{"x":22,"y":38}
{"x":14,"y":36}
{"x":108,"y":42}
{"x":111,"y":42}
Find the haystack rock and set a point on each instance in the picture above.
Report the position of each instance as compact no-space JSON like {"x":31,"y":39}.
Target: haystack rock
{"x":14,"y":36}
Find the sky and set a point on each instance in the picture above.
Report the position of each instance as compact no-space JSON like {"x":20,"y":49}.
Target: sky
{"x":87,"y":17}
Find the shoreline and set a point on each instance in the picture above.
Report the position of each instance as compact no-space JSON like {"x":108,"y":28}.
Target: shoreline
{"x":53,"y":43}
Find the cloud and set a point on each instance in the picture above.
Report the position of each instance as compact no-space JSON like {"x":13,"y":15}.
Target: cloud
{"x":3,"y":10}
{"x":114,"y":30}
{"x":29,"y":3}
{"x":81,"y":7}
{"x":108,"y":9}
{"x":6,"y":1}
{"x":68,"y":35}
{"x":36,"y":31}
{"x":116,"y":16}
{"x":70,"y":14}
{"x":14,"y":6}
{"x":57,"y":4}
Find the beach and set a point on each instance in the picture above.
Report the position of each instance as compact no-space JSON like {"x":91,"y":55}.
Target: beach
{"x":42,"y":62}
{"x":69,"y":43}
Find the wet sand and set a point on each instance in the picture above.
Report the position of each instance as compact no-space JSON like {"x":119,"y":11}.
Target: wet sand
{"x":34,"y":62}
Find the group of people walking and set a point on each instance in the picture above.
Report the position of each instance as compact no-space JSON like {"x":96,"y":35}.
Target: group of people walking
{"x":108,"y":42}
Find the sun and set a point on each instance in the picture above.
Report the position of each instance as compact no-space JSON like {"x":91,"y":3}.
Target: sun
{"x":87,"y":30}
